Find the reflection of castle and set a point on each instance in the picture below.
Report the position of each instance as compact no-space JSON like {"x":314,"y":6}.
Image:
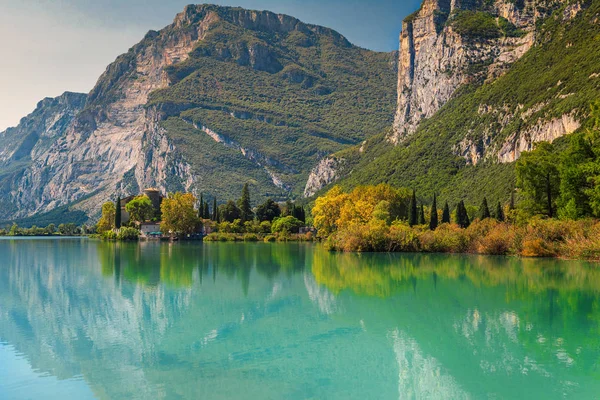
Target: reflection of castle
{"x":153,"y":194}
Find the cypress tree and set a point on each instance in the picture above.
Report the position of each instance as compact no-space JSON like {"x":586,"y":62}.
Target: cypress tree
{"x":118,"y":213}
{"x":215,"y":210}
{"x":205,"y":211}
{"x":413,"y":217}
{"x":421,"y":215}
{"x":511,"y":205}
{"x":462,"y":217}
{"x":484,"y":210}
{"x":246,"y":213}
{"x":201,"y":208}
{"x":433,"y":218}
{"x":499,"y":213}
{"x":446,"y":214}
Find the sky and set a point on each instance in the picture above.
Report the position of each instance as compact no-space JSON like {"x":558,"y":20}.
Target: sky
{"x":48,"y":47}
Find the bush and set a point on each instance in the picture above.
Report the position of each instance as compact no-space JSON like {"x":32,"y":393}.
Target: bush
{"x":250,"y":237}
{"x":269,"y":238}
{"x":499,"y":240}
{"x":402,"y":237}
{"x":109,"y":235}
{"x":447,"y":238}
{"x":287,"y":224}
{"x":128,"y":234}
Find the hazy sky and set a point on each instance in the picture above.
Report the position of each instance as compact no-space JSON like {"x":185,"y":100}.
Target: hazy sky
{"x":50,"y":46}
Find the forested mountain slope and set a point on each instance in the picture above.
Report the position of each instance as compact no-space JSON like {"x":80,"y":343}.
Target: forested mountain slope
{"x":466,"y":149}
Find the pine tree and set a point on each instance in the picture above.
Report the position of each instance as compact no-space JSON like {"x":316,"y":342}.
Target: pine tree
{"x":215,"y":209}
{"x":433,"y":218}
{"x":118,"y":213}
{"x":446,"y":214}
{"x":201,"y":208}
{"x":484,"y":210}
{"x":413,"y":217}
{"x":499,"y":213}
{"x":246,"y":213}
{"x":421,"y":215}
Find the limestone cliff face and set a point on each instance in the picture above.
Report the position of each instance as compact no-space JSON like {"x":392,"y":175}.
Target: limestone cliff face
{"x":37,"y":131}
{"x":436,"y":58}
{"x":322,"y":175}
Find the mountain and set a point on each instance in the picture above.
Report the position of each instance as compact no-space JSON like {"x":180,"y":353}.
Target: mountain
{"x":479,"y":82}
{"x":220,"y":97}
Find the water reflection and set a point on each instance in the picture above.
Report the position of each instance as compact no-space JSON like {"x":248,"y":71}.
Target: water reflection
{"x":294,"y":321}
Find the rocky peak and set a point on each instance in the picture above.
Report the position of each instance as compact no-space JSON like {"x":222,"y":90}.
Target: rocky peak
{"x":445,"y":44}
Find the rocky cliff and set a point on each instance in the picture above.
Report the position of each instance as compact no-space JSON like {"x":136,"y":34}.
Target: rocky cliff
{"x":448,"y":43}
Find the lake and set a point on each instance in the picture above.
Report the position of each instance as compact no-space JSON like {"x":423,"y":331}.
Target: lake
{"x":86,"y":319}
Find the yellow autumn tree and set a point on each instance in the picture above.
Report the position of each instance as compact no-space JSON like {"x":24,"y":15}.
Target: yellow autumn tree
{"x":326,"y":211}
{"x":107,"y":221}
{"x":178,"y":214}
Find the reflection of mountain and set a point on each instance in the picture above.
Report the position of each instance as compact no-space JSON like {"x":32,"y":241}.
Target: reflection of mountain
{"x":251,"y":321}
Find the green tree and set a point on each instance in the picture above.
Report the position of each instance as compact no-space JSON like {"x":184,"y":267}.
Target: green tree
{"x":118,"y":213}
{"x":179,"y":215}
{"x":201,"y":208}
{"x":462,"y":217}
{"x":244,"y":205}
{"x":500,"y":213}
{"x":230,"y":212}
{"x":484,"y":210}
{"x":140,"y":209}
{"x":511,"y":205}
{"x":51,"y":229}
{"x":446,"y":214}
{"x":206,"y":210}
{"x":421,"y":215}
{"x":107,"y":220}
{"x":433,"y":217}
{"x":215,"y":210}
{"x":539,"y":180}
{"x":287,"y":224}
{"x":268,"y":211}
{"x":413,"y":217}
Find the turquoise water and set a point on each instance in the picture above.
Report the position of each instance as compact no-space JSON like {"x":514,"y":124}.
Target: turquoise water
{"x":85,"y":319}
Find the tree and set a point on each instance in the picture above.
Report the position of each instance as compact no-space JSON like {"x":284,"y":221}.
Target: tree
{"x":484,"y":210}
{"x":51,"y":229}
{"x":140,"y":209}
{"x":268,"y":211}
{"x":206,"y":210}
{"x":201,"y":208}
{"x":178,"y":214}
{"x":246,"y":213}
{"x":462,"y":218}
{"x":287,"y":224}
{"x":499,"y":213}
{"x":446,"y":214}
{"x":230,"y":212}
{"x":421,"y":215}
{"x":433,"y":217}
{"x":413,"y":217}
{"x":107,"y":221}
{"x":511,"y":205}
{"x":69,"y":229}
{"x":539,"y":180}
{"x":118,"y":213}
{"x":215,"y":210}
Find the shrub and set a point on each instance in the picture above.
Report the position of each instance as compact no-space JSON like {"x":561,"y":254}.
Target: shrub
{"x":250,"y":237}
{"x":109,"y":235}
{"x":269,"y":238}
{"x":499,"y":240}
{"x":447,"y":238}
{"x":402,"y":237}
{"x":128,"y":234}
{"x":287,"y":224}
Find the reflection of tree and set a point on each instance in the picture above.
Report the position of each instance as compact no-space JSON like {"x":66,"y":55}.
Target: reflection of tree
{"x":149,"y":263}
